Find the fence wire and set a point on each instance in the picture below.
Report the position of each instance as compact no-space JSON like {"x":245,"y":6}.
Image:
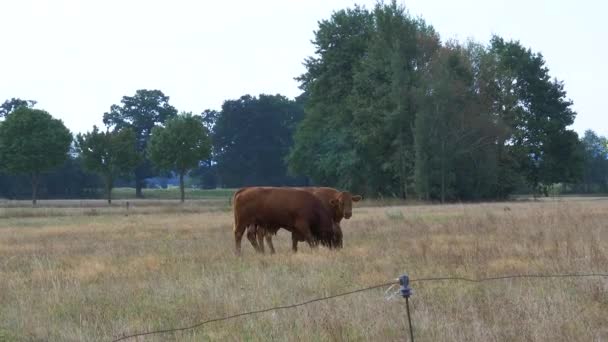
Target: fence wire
{"x":391,"y":283}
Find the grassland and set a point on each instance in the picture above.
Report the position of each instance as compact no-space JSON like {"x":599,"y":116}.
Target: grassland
{"x":173,"y":193}
{"x":77,"y":271}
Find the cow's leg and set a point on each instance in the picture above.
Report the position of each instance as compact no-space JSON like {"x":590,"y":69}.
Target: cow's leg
{"x":251,"y":236}
{"x":303,"y":234}
{"x":294,"y":243}
{"x":268,"y":237}
{"x":239,"y":230}
{"x":310,"y":240}
{"x":260,"y":232}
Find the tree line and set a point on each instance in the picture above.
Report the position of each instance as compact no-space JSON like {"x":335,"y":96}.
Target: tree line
{"x":387,"y":109}
{"x":393,"y":110}
{"x":144,"y":136}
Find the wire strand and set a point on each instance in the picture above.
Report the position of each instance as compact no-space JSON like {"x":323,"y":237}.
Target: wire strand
{"x":516,"y":276}
{"x":291,"y":306}
{"x":256,"y":312}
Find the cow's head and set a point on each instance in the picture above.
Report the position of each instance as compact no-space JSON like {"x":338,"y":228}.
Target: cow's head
{"x":343,"y":204}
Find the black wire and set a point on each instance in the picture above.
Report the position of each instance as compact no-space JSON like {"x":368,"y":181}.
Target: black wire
{"x":480,"y":280}
{"x":571,"y":275}
{"x":255,"y":312}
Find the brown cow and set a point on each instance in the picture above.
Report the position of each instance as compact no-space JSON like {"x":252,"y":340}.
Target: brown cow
{"x":300,"y":212}
{"x":337,"y":202}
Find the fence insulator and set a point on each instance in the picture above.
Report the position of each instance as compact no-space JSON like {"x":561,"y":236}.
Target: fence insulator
{"x":404,"y":281}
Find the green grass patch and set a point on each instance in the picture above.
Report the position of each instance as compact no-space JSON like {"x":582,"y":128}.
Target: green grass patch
{"x":6,"y":336}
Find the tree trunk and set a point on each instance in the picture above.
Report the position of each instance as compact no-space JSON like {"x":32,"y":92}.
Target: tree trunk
{"x":34,"y":189}
{"x":181,"y":186}
{"x":109,"y":186}
{"x":139,"y":184}
{"x":443,"y":171}
{"x":402,"y":167}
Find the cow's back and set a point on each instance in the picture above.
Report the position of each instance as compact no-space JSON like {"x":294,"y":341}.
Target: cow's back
{"x":277,"y":207}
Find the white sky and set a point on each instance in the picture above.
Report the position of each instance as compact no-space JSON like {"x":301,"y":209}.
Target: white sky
{"x":77,"y":58}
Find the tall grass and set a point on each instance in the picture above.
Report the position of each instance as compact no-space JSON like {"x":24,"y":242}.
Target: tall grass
{"x":85,"y":277}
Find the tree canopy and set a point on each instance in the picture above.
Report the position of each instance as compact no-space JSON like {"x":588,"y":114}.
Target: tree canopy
{"x":392,"y":110}
{"x":141,"y":113}
{"x":595,"y":162}
{"x":32,"y":142}
{"x":251,"y":137}
{"x":10,"y":105}
{"x":109,"y":154}
{"x":180,"y":145}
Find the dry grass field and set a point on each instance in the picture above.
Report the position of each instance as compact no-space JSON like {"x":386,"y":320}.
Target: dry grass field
{"x":75,"y":271}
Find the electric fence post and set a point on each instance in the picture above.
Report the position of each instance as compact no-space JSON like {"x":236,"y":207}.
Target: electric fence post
{"x":406,"y":292}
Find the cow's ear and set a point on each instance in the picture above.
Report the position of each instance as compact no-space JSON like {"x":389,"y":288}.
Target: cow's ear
{"x":334,"y":202}
{"x":357,"y":198}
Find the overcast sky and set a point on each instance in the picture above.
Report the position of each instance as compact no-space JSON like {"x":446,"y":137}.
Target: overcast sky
{"x":77,"y":58}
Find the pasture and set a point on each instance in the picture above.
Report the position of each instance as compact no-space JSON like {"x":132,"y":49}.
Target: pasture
{"x":79,"y":271}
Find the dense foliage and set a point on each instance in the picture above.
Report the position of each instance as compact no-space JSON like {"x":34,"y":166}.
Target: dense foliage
{"x":393,"y":111}
{"x":595,"y":164}
{"x":141,"y":113}
{"x":10,"y":105}
{"x":32,"y":142}
{"x":109,"y":154}
{"x":251,"y":137}
{"x":179,"y":146}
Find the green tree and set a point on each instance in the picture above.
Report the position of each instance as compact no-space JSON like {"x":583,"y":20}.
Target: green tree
{"x":251,"y":138}
{"x":323,"y":146}
{"x":70,"y":181}
{"x":209,"y":118}
{"x":206,"y":175}
{"x":33,"y":142}
{"x":384,"y":98}
{"x":361,"y":87}
{"x":10,"y":105}
{"x":391,"y":109}
{"x":141,"y":113}
{"x":180,"y":146}
{"x":595,"y":159}
{"x":109,"y":154}
{"x":535,"y":114}
{"x":452,"y":130}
